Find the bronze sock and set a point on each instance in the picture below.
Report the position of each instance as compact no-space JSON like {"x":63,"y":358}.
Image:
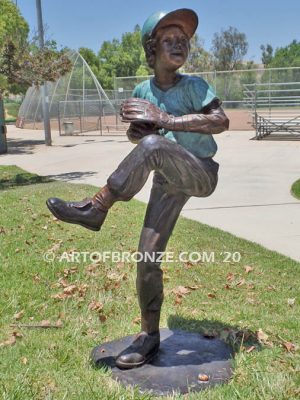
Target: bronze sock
{"x":104,"y":199}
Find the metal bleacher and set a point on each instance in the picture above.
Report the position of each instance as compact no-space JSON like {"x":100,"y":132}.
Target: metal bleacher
{"x":275,"y":109}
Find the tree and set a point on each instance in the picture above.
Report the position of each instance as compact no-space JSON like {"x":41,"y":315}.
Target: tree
{"x":91,"y":59}
{"x":199,"y":59}
{"x":267,"y":54}
{"x":228,"y":49}
{"x":122,"y":58}
{"x":23,"y":62}
{"x":288,"y":56}
{"x":13,"y":27}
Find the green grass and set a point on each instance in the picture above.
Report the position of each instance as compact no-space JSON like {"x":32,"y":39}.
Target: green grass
{"x":296,"y":189}
{"x":229,"y":302}
{"x":11,"y":110}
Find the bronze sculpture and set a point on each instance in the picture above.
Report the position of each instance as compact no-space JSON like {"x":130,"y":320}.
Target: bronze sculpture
{"x":172,"y":118}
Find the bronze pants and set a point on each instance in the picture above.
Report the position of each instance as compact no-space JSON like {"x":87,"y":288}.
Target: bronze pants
{"x":178,"y":176}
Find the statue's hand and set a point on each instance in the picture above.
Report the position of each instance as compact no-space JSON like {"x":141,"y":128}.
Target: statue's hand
{"x":137,"y":130}
{"x":135,"y":109}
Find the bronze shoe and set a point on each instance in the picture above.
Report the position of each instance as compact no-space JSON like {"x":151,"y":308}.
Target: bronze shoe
{"x":84,"y":213}
{"x":141,"y":351}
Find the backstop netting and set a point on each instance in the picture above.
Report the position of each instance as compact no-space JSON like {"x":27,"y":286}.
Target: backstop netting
{"x":77,"y":104}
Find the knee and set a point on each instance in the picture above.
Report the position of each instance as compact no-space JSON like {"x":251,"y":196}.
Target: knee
{"x":151,"y":142}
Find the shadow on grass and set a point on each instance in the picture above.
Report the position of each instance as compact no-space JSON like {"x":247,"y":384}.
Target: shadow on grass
{"x":22,"y":179}
{"x":70,"y":176}
{"x":11,"y":176}
{"x":235,"y":336}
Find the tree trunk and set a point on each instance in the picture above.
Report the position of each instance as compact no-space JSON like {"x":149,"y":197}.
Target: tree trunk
{"x":3,"y":142}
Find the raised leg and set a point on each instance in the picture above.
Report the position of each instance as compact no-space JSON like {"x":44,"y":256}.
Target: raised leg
{"x":181,"y":169}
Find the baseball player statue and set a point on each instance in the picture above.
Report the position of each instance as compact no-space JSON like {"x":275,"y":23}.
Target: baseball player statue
{"x":173,"y":118}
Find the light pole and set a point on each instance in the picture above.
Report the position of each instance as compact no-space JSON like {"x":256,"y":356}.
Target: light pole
{"x":44,"y":94}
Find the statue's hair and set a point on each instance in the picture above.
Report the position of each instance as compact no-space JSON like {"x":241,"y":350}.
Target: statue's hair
{"x":150,"y":47}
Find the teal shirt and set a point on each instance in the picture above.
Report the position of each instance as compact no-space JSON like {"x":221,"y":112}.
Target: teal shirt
{"x":188,"y":96}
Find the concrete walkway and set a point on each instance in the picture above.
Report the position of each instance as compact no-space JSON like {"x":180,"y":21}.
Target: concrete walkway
{"x":252,"y":199}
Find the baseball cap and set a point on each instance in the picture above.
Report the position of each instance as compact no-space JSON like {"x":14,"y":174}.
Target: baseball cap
{"x":185,"y":18}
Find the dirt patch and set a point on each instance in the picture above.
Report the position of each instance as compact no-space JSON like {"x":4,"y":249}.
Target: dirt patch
{"x":111,"y":125}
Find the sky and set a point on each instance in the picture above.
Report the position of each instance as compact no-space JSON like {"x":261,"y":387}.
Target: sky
{"x":78,"y":23}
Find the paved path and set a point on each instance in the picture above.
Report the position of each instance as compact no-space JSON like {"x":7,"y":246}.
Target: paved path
{"x":252,"y":199}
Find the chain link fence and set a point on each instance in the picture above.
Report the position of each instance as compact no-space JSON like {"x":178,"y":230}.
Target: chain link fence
{"x":229,"y":87}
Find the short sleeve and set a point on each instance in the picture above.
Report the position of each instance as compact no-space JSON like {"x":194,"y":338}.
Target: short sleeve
{"x":201,"y":93}
{"x":136,"y":91}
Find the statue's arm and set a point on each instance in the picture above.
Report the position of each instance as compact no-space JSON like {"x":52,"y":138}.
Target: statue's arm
{"x":211,"y":119}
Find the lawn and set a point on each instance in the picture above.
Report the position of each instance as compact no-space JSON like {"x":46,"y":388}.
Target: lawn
{"x":296,"y":189}
{"x":11,"y":110}
{"x":251,"y":301}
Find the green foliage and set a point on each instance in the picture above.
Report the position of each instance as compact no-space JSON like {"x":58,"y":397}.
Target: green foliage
{"x":228,"y":49}
{"x":11,"y":110}
{"x":296,"y":189}
{"x":199,"y":59}
{"x":12,"y":24}
{"x":122,"y":58}
{"x":22,"y":66}
{"x":267,"y":54}
{"x":13,"y":27}
{"x":288,"y":56}
{"x":22,"y":63}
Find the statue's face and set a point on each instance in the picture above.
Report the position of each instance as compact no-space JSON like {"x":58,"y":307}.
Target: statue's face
{"x":172,"y":47}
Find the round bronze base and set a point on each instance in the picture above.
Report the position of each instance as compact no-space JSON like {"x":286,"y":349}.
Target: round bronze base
{"x":186,"y":362}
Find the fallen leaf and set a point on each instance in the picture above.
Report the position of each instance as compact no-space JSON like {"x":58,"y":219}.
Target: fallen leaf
{"x":55,"y":247}
{"x":230,"y":276}
{"x":82,"y":289}
{"x":291,"y":302}
{"x":59,"y":296}
{"x":137,"y":320}
{"x":37,"y":278}
{"x":248,"y":269}
{"x":250,"y":349}
{"x":96,"y":306}
{"x":70,"y":271}
{"x":71,"y":289}
{"x":188,"y":265}
{"x":178,"y":300}
{"x":102,"y":318}
{"x":181,"y":291}
{"x":19,"y":315}
{"x":17,"y":334}
{"x":289,"y":346}
{"x":241,"y":282}
{"x":114,"y":276}
{"x":262,"y":336}
{"x":59,"y":323}
{"x":211,"y":295}
{"x":203,"y":377}
{"x":9,"y":342}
